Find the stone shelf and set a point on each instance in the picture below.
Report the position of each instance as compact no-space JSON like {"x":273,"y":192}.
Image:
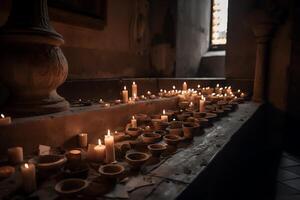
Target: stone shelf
{"x":61,"y":129}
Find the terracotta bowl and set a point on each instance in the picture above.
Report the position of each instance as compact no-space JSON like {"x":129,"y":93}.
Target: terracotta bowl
{"x":160,"y":132}
{"x":111,"y":170}
{"x":150,"y":138}
{"x":137,"y":159}
{"x":204,"y":122}
{"x":199,"y":114}
{"x":6,"y":171}
{"x":183,"y":116}
{"x":176,"y":124}
{"x":76,"y":170}
{"x":133,"y":132}
{"x":175,"y":131}
{"x":219,"y":112}
{"x":49,"y":162}
{"x":211,"y":117}
{"x":156,"y":149}
{"x":71,"y":186}
{"x":190,"y":129}
{"x":172,"y":139}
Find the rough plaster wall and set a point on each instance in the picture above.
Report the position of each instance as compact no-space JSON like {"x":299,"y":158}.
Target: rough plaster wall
{"x":241,"y":45}
{"x":192,"y":35}
{"x":100,"y":53}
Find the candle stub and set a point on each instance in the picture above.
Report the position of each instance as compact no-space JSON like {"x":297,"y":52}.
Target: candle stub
{"x":4,"y":120}
{"x":15,"y":155}
{"x":82,"y":140}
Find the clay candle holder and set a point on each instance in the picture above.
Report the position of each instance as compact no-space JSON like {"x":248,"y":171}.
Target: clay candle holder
{"x":49,"y":162}
{"x":156,"y":149}
{"x":211,"y":117}
{"x":133,"y":132}
{"x":161,"y":132}
{"x":111,"y":171}
{"x":190,"y":129}
{"x":71,"y":186}
{"x":172,"y":139}
{"x":150,"y":138}
{"x":199,"y":114}
{"x":137,"y":159}
{"x":6,"y":171}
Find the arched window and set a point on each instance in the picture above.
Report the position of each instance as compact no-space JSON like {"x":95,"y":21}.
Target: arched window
{"x":219,"y":16}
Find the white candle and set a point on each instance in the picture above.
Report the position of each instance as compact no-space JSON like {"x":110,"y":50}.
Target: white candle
{"x":4,"y":120}
{"x":125,"y":95}
{"x":28,"y":177}
{"x":99,"y":152}
{"x":82,"y":140}
{"x":202,"y":104}
{"x":184,"y":86}
{"x":15,"y":155}
{"x":134,"y":90}
{"x":110,"y":147}
{"x":133,"y":122}
{"x":164,"y":117}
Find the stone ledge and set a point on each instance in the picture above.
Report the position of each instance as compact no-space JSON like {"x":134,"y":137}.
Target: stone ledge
{"x":61,"y":129}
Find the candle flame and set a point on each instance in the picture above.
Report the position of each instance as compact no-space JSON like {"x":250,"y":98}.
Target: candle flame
{"x":239,"y":90}
{"x":164,"y":111}
{"x":184,"y":83}
{"x":132,"y":117}
{"x":108,"y":132}
{"x":174,"y":87}
{"x":2,"y":116}
{"x":133,"y":83}
{"x":161,"y":90}
{"x":198,"y":86}
{"x":124,"y":87}
{"x":99,"y":141}
{"x":218,"y":85}
{"x":26,"y":166}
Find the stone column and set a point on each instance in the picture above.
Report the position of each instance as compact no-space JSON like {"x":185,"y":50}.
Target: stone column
{"x":32,"y":63}
{"x":263,"y":26}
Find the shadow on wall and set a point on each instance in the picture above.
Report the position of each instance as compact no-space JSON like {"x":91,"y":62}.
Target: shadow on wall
{"x":4,"y":94}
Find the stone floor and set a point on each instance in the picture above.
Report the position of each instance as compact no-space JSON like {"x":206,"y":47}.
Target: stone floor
{"x":288,"y":178}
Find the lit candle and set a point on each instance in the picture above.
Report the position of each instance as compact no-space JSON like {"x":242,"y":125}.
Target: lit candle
{"x":134,"y":90}
{"x":82,"y":140}
{"x":149,"y":93}
{"x":99,"y":152}
{"x":28,"y":177}
{"x":164,"y":117}
{"x":184,"y":86}
{"x":110,"y":147}
{"x":101,"y":101}
{"x":242,"y":95}
{"x":202,"y":104}
{"x":199,"y":87}
{"x":15,"y":155}
{"x":4,"y":120}
{"x":133,"y":122}
{"x":125,"y":95}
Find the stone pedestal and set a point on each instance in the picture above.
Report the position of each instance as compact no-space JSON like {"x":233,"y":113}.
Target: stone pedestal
{"x":263,"y":26}
{"x":32,"y":63}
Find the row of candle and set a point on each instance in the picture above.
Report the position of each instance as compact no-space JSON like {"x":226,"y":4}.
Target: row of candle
{"x":100,"y":152}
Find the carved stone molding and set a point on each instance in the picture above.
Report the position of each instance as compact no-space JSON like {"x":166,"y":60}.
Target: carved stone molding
{"x":32,"y":63}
